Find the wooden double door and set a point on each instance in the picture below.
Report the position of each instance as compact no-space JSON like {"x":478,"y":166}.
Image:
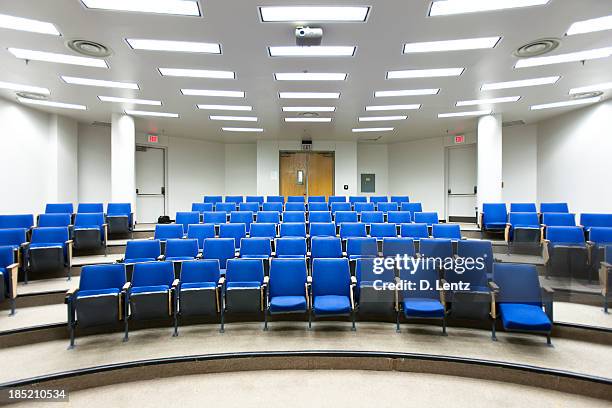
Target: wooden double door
{"x":306,"y":173}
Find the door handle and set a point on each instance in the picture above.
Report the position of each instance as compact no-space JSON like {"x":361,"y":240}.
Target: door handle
{"x":163,"y":190}
{"x":136,"y":191}
{"x":449,"y":191}
{"x":475,"y":189}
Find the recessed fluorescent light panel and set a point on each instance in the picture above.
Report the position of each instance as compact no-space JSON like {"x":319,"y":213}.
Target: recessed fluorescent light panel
{"x":312,"y":120}
{"x":451,"y":45}
{"x":393,"y":107}
{"x":425,"y":73}
{"x":406,"y":92}
{"x":26,"y":24}
{"x":381,"y":129}
{"x":225,"y":107}
{"x":238,"y":129}
{"x":583,"y":89}
{"x":99,"y":83}
{"x":309,"y":95}
{"x":450,"y":7}
{"x":488,"y":101}
{"x":309,"y":108}
{"x":520,"y":84}
{"x":566,"y":103}
{"x":460,"y":114}
{"x":312,"y":51}
{"x":24,"y":88}
{"x":129,"y":100}
{"x":174,"y":46}
{"x":197,"y":73}
{"x":234,"y":118}
{"x":52,"y":104}
{"x":310,"y":76}
{"x":177,"y":7}
{"x":154,"y":114}
{"x":562,"y":58}
{"x":590,"y":26}
{"x":313,"y":13}
{"x":208,"y":92}
{"x":57,"y":58}
{"x":381,"y":118}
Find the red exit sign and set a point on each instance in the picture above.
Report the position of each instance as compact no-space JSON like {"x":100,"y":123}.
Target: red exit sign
{"x":459,"y":139}
{"x":153,"y":138}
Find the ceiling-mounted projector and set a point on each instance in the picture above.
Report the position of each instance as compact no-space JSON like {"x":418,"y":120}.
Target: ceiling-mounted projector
{"x":307,"y":36}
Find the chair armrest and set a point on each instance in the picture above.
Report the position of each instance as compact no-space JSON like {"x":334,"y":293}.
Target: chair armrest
{"x":443,"y":292}
{"x":161,"y":257}
{"x":606,"y":265}
{"x":545,"y":251}
{"x":222,"y":280}
{"x":13,"y":270}
{"x":70,"y":295}
{"x":70,"y":243}
{"x":604,"y":277}
{"x":126,"y":287}
{"x":547,"y":300}
{"x":175,"y":283}
{"x":105,"y":226}
{"x":309,"y":279}
{"x":507,"y":233}
{"x":353,"y":280}
{"x":493,"y":286}
{"x":266,"y":280}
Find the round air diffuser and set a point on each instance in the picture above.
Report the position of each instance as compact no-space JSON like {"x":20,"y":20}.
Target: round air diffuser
{"x":89,"y":48}
{"x":537,"y":47}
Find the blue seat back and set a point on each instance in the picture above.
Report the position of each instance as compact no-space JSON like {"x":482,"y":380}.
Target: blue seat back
{"x":244,"y":270}
{"x":412,"y":208}
{"x":59,"y":208}
{"x":601,"y":235}
{"x":317,"y":207}
{"x":436,"y":248}
{"x":518,"y":283}
{"x":275,"y":199}
{"x":352,"y":229}
{"x":471,"y":270}
{"x":523,"y":208}
{"x":379,"y":199}
{"x":205,"y":270}
{"x":554,"y":208}
{"x":382,"y":230}
{"x":494,"y":213}
{"x":235,"y":231}
{"x":399,"y":217}
{"x":95,"y":277}
{"x":400,"y":199}
{"x":263,"y":230}
{"x":392,"y":247}
{"x":293,"y":229}
{"x":234,"y":199}
{"x":429,"y":218}
{"x":219,"y":248}
{"x":316,"y":199}
{"x":255,"y":199}
{"x":294,"y":216}
{"x":186,"y":218}
{"x":363,"y":247}
{"x":565,"y":235}
{"x":319,"y":216}
{"x":12,"y":237}
{"x":369,"y":217}
{"x":322,"y":229}
{"x":182,"y":248}
{"x":90,"y":208}
{"x":295,"y":207}
{"x":288,"y":277}
{"x":595,"y":220}
{"x":337,"y":199}
{"x":523,"y":219}
{"x":345,"y":216}
{"x":365,"y":272}
{"x":386,"y":207}
{"x":331,"y":277}
{"x":213,"y":199}
{"x":118,"y":209}
{"x":451,"y":231}
{"x":143,"y":248}
{"x":225,"y":207}
{"x":242,"y":217}
{"x":200,"y":232}
{"x":326,"y":247}
{"x":296,"y":199}
{"x":358,"y":199}
{"x":273,"y":206}
{"x":421,"y":276}
{"x":340,"y":206}
{"x":17,"y":221}
{"x":214,"y":218}
{"x":7,"y":256}
{"x":291,"y":246}
{"x":54,"y":220}
{"x":50,"y":235}
{"x":472,"y":248}
{"x":249,"y":206}
{"x":559,"y":219}
{"x":153,"y":274}
{"x":168,"y":231}
{"x":414,"y":231}
{"x":361,"y":207}
{"x":255,"y":246}
{"x":89,"y":220}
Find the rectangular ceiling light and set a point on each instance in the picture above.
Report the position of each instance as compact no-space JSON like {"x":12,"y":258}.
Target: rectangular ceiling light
{"x":425,"y":73}
{"x":312,"y":120}
{"x":381,"y":129}
{"x":154,"y":114}
{"x":175,"y":46}
{"x":226,"y":107}
{"x":129,"y":100}
{"x":451,"y":45}
{"x":197,"y":73}
{"x":460,"y":114}
{"x":177,"y":7}
{"x":26,"y":24}
{"x":381,"y":118}
{"x":488,"y":101}
{"x":312,"y":51}
{"x":450,"y":7}
{"x":239,"y":129}
{"x":590,"y":26}
{"x":414,"y":106}
{"x":57,"y":58}
{"x":406,"y":92}
{"x":209,"y":92}
{"x":310,"y":76}
{"x":24,"y":88}
{"x":520,"y":84}
{"x":234,"y":118}
{"x":562,"y":58}
{"x":591,"y":88}
{"x":309,"y":108}
{"x":52,"y":104}
{"x":99,"y":82}
{"x":566,"y":103}
{"x":309,"y":95}
{"x":313,"y":13}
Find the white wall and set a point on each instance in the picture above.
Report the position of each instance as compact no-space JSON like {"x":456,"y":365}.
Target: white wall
{"x":373,"y":159}
{"x":241,"y":169}
{"x":123,"y":160}
{"x":574,"y":159}
{"x":520,"y":164}
{"x":94,"y":163}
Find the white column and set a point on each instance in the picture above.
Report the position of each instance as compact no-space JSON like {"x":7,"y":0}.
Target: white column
{"x":489,"y":160}
{"x":123,"y":152}
{"x":62,"y":152}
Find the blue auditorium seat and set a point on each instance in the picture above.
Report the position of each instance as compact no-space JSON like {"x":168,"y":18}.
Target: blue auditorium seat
{"x":142,"y":250}
{"x":202,"y":207}
{"x":352,"y":229}
{"x":50,"y":249}
{"x":337,"y":199}
{"x":374,"y":298}
{"x":519,"y":299}
{"x":296,"y":199}
{"x":553,"y":208}
{"x":200,"y":232}
{"x":412,"y":208}
{"x":438,"y":249}
{"x":13,"y":238}
{"x":88,"y":208}
{"x":149,"y":292}
{"x":214,"y":200}
{"x":358,"y":199}
{"x":383,"y":230}
{"x":379,"y":199}
{"x":316,"y":199}
{"x":565,"y":252}
{"x":216,"y":218}
{"x":294,"y":216}
{"x":275,"y":199}
{"x":268,"y":217}
{"x":391,"y":247}
{"x":450,"y":231}
{"x":361,"y":207}
{"x":226,"y":208}
{"x":179,"y":250}
{"x":493,"y":217}
{"x":199,"y":290}
{"x":312,"y":207}
{"x":291,"y":248}
{"x":523,"y":227}
{"x":256,"y":248}
{"x":255,"y":199}
{"x":369,"y":217}
{"x":293,"y":229}
{"x":187,"y":218}
{"x":263,"y":230}
{"x":235,"y":199}
{"x":120,"y":218}
{"x":332,"y":289}
{"x":475,"y":249}
{"x":400,"y":199}
{"x":322,"y":229}
{"x":273,"y":206}
{"x":429,"y":218}
{"x":325,"y":247}
{"x":589,"y":221}
{"x":523,"y":208}
{"x":414,"y":231}
{"x":8,"y":276}
{"x":335,"y":207}
{"x":361,"y":247}
{"x":235,"y":231}
{"x":59,"y":208}
{"x":25,"y":221}
{"x":220,"y":249}
{"x":245,"y":287}
{"x":386,"y":207}
{"x":164,"y":232}
{"x":98,"y":299}
{"x":599,"y":239}
{"x":421,"y":302}
{"x":559,"y":219}
{"x":319,"y":216}
{"x":287,"y":288}
{"x":249,"y":206}
{"x":242,"y":217}
{"x":90,"y":231}
{"x":399,"y":217}
{"x":345,"y":216}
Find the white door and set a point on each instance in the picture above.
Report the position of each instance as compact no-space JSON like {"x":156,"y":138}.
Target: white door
{"x":461,"y":183}
{"x":150,"y":184}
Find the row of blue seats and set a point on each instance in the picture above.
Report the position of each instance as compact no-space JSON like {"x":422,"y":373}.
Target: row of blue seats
{"x":105,"y":296}
{"x":315,"y":206}
{"x":237,"y":199}
{"x":530,"y":227}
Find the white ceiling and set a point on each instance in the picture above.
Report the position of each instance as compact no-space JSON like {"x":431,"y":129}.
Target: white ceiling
{"x":244,"y":38}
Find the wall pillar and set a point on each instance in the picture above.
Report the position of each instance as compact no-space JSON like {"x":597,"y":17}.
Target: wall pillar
{"x":123,"y":155}
{"x":489,"y":160}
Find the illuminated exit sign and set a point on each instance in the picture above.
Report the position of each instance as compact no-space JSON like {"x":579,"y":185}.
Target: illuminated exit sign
{"x":459,"y":139}
{"x":153,"y":138}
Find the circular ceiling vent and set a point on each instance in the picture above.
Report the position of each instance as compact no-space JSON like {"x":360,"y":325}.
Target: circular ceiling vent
{"x":537,"y":47}
{"x":585,"y":95}
{"x":31,"y":95}
{"x":89,"y":48}
{"x":309,"y":114}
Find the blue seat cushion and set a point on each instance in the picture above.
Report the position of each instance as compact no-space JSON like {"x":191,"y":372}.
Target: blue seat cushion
{"x":495,"y":225}
{"x":332,"y":305}
{"x":139,"y":260}
{"x":243,"y":285}
{"x":199,"y":285}
{"x":423,"y":308}
{"x":47,"y":245}
{"x":180,"y":258}
{"x":280,"y":304}
{"x":145,"y":289}
{"x":290,"y":256}
{"x":251,"y":256}
{"x":97,"y":292}
{"x":518,"y":316}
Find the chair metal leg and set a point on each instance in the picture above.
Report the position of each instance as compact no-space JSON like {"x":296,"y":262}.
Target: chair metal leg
{"x":70,"y":273}
{"x":309,"y":319}
{"x":12,"y":303}
{"x":548,"y":340}
{"x":353,"y":328}
{"x":266,"y":319}
{"x":222,"y":329}
{"x":493,"y":334}
{"x":444,"y":326}
{"x":605,"y":303}
{"x":25,"y":275}
{"x":397,"y":322}
{"x":126,"y":320}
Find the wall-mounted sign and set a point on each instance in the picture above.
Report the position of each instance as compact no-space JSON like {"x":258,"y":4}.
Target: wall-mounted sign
{"x":153,"y":138}
{"x":459,"y":139}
